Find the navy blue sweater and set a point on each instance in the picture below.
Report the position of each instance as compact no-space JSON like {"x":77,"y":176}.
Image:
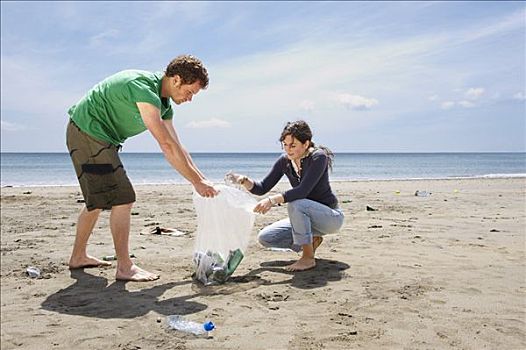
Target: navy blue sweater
{"x":312,"y":184}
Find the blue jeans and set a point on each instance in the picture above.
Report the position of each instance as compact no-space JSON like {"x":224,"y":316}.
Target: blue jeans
{"x":306,"y":219}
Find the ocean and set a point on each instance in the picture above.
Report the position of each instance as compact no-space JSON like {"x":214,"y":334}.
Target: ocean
{"x":55,"y":169}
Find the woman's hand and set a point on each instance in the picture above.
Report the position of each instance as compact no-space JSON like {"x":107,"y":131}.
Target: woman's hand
{"x":263,"y":206}
{"x":235,"y":178}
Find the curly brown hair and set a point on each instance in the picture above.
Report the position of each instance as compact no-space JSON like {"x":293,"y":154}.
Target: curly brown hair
{"x":189,"y":68}
{"x":302,"y":132}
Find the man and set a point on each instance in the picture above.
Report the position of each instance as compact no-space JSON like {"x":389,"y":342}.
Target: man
{"x":123,"y":105}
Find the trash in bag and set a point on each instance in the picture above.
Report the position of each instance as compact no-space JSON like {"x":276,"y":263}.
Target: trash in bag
{"x":211,"y":268}
{"x":224,"y":224}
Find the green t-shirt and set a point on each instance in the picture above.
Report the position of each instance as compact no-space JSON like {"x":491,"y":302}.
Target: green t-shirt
{"x":109,"y":112}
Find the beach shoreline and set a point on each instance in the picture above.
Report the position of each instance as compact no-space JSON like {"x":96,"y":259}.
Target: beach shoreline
{"x":446,"y":271}
{"x":183,"y":182}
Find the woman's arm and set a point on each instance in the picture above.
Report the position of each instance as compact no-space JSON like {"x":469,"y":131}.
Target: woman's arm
{"x":256,"y":187}
{"x":270,"y":180}
{"x":310,"y":178}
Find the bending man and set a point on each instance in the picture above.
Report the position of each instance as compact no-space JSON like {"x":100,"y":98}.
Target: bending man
{"x":123,"y":105}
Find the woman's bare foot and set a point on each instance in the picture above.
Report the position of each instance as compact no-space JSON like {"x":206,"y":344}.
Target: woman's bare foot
{"x":135,"y":274}
{"x":316,"y":241}
{"x":85,"y":262}
{"x":302,"y":264}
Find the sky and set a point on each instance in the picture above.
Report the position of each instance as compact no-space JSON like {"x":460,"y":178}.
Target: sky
{"x":367,"y":76}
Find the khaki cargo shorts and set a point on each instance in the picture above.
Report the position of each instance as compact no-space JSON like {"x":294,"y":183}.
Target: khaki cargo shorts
{"x":101,"y":176}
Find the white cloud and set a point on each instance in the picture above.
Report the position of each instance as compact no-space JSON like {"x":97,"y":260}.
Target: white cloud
{"x":7,"y":126}
{"x":450,"y":104}
{"x":305,"y":63}
{"x":211,"y":123}
{"x":501,"y":25}
{"x":433,"y":98}
{"x":103,"y":38}
{"x":307,"y":105}
{"x":466,"y":104}
{"x":447,"y":105}
{"x":357,"y":102}
{"x":474,"y":93}
{"x":519,"y":96}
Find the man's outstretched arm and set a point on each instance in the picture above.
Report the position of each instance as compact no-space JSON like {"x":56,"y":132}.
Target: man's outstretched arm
{"x":173,"y":151}
{"x":168,"y":123}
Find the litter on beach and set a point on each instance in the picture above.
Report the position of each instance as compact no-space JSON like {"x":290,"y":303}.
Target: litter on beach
{"x":33,"y":272}
{"x":162,"y":231}
{"x":422,"y":193}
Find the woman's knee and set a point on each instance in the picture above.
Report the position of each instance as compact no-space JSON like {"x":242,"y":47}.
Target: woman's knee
{"x":264,"y":238}
{"x":296,"y":206}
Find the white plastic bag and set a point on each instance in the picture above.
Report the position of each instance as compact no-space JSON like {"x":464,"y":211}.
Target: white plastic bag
{"x":224,"y":225}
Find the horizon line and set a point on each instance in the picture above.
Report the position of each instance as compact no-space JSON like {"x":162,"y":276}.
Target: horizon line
{"x":274,"y":152}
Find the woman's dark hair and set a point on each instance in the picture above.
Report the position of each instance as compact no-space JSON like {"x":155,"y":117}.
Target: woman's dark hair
{"x":189,"y":68}
{"x":301,"y":131}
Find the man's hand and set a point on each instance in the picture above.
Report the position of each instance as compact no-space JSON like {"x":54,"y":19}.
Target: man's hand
{"x":205,"y":189}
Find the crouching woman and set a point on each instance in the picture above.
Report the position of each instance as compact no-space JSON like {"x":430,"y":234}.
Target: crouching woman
{"x":312,"y":206}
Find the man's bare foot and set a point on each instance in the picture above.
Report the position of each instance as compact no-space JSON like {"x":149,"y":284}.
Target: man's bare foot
{"x":85,"y":262}
{"x":316,"y":241}
{"x":135,"y":274}
{"x":302,"y":264}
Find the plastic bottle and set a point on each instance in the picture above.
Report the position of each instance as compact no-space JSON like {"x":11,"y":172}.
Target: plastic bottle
{"x":179,"y":323}
{"x":422,"y":193}
{"x":33,"y":272}
{"x":114,"y":257}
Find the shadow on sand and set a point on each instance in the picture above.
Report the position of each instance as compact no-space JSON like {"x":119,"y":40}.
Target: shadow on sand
{"x":325,"y":271}
{"x":91,"y":296}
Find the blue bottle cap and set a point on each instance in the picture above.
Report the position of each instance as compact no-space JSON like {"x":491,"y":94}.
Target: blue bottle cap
{"x":208,"y":326}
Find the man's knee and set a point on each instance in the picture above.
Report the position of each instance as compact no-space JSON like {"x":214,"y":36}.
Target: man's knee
{"x":90,"y":212}
{"x":126,"y":206}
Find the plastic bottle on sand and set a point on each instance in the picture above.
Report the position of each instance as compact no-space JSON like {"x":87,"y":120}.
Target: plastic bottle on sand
{"x":33,"y":272}
{"x":179,"y":323}
{"x":422,"y":193}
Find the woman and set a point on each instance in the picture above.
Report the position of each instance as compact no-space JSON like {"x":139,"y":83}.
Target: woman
{"x":312,"y":206}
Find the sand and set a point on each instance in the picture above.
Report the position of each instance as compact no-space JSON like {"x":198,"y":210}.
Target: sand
{"x":446,"y":271}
